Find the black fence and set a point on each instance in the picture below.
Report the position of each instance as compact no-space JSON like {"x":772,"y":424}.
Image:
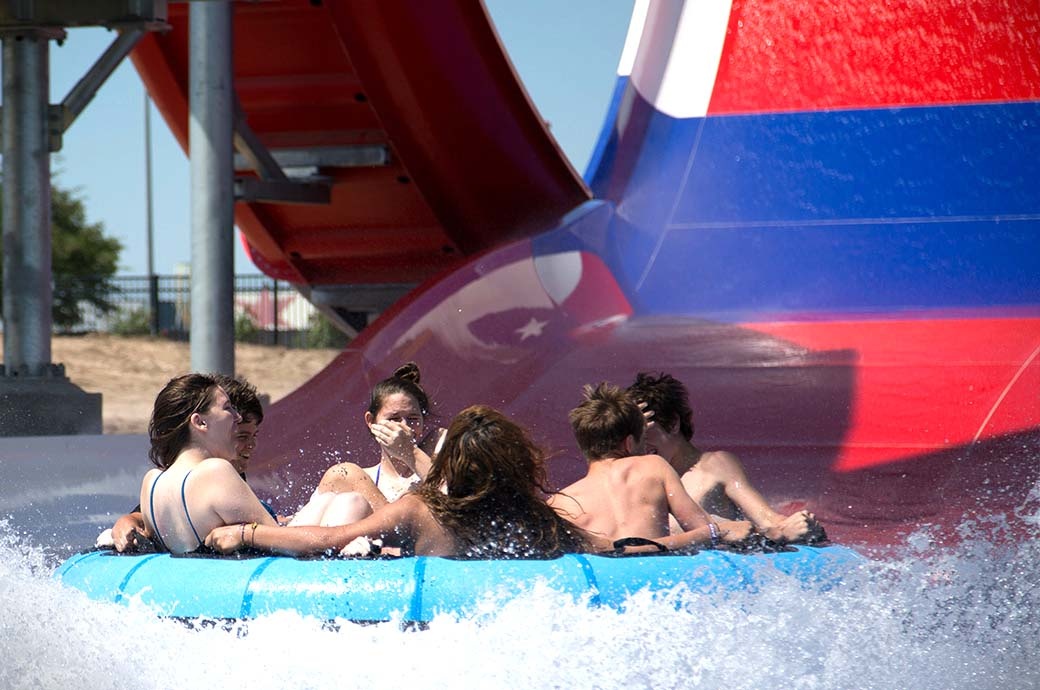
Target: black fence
{"x":267,"y":312}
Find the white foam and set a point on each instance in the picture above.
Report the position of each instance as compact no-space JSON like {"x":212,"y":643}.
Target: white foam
{"x":967,"y":618}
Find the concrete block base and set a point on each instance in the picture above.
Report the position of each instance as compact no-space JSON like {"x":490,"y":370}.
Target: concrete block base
{"x":47,"y":406}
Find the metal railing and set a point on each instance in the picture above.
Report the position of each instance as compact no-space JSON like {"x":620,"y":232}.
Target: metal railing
{"x":267,"y":312}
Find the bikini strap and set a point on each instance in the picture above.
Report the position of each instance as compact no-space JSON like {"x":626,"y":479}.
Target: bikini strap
{"x":151,"y":509}
{"x":184,"y":502}
{"x":379,"y":469}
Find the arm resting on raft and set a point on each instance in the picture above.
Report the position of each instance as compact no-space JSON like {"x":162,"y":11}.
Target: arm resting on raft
{"x":393,"y":523}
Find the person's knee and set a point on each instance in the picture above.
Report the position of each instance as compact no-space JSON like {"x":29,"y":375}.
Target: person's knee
{"x":311,"y":513}
{"x":354,"y":503}
{"x":346,"y":508}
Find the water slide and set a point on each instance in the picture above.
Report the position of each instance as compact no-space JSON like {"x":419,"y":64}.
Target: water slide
{"x":823,"y":219}
{"x":411,"y":111}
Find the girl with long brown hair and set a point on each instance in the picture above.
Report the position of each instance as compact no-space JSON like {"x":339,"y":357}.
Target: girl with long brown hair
{"x":483,"y":498}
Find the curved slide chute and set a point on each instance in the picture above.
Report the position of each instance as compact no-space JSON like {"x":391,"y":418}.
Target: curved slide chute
{"x":823,"y":219}
{"x":411,"y":110}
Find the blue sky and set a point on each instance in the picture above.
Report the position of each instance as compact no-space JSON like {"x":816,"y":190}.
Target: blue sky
{"x":566,"y":54}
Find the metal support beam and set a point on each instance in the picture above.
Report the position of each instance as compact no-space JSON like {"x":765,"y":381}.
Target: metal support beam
{"x":360,"y":156}
{"x":36,"y":398}
{"x":83,"y":92}
{"x":274,"y":185}
{"x":30,"y":14}
{"x":282,"y":191}
{"x":153,"y":280}
{"x":60,"y":117}
{"x":210,"y":134}
{"x":27,"y":206}
{"x":253,"y":150}
{"x":364,"y":298}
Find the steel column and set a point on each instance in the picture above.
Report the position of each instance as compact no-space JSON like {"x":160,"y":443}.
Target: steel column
{"x":210,"y":137}
{"x":27,"y":287}
{"x":153,"y":280}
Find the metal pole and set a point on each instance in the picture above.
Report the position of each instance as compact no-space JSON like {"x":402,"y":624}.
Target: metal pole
{"x":153,"y":280}
{"x":210,"y":136}
{"x":27,"y":287}
{"x":275,"y":295}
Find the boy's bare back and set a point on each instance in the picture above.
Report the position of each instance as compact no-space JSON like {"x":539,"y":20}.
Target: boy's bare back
{"x":628,"y":497}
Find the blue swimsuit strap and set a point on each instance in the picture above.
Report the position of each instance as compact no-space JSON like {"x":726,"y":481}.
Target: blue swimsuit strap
{"x":151,"y":509}
{"x":379,"y":468}
{"x":184,"y":502}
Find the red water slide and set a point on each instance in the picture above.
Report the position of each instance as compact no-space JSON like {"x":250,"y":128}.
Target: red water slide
{"x":411,"y":110}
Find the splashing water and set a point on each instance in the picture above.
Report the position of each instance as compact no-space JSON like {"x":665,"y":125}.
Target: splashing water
{"x":963,"y":618}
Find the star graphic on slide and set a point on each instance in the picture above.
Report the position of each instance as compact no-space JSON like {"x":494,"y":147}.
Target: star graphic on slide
{"x":531,"y":329}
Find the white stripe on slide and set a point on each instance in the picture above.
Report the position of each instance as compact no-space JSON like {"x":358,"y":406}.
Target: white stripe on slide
{"x":635,"y":30}
{"x":679,"y":53}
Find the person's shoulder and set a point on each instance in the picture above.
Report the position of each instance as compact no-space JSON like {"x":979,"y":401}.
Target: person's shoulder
{"x":573,"y":486}
{"x":719,"y":463}
{"x":644,"y":468}
{"x":563,"y":500}
{"x":149,"y":477}
{"x":650,"y":463}
{"x":217,"y":467}
{"x":410,"y":500}
{"x":719,"y":457}
{"x":410,"y":506}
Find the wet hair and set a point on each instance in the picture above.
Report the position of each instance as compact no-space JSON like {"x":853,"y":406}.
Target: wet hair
{"x":667,"y":398}
{"x":168,"y":429}
{"x":243,"y":396}
{"x":405,"y":379}
{"x":495,"y":482}
{"x":605,"y":418}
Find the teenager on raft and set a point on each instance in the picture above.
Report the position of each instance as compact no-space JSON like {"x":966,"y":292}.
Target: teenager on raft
{"x":483,"y":495}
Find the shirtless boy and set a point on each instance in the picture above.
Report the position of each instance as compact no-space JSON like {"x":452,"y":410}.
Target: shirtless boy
{"x":715,"y":479}
{"x":627,"y":493}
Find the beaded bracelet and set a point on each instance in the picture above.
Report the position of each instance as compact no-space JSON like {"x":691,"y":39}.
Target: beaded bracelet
{"x":714,"y":531}
{"x":252,"y":535}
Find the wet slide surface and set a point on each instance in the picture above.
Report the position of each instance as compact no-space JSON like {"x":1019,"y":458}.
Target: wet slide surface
{"x":828,"y":228}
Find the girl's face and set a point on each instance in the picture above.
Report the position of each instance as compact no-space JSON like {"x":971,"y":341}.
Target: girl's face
{"x":400,"y":407}
{"x":221,"y":424}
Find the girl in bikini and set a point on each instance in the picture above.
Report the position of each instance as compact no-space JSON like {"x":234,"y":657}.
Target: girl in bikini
{"x":396,"y":417}
{"x":195,"y":487}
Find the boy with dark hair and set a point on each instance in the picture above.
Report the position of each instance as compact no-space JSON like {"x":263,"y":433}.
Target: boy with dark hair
{"x":246,"y":400}
{"x":627,"y":493}
{"x":716,"y":479}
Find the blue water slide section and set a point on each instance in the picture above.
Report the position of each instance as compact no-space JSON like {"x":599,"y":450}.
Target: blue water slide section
{"x":823,"y":213}
{"x":602,"y":153}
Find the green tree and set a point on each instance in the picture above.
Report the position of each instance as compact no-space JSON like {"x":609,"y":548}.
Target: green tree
{"x":83,"y":260}
{"x":322,"y":333}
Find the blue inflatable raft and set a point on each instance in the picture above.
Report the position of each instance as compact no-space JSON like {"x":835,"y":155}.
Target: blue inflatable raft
{"x":417,"y":589}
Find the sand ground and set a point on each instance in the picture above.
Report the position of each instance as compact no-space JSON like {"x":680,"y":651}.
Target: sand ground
{"x":128,"y":372}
